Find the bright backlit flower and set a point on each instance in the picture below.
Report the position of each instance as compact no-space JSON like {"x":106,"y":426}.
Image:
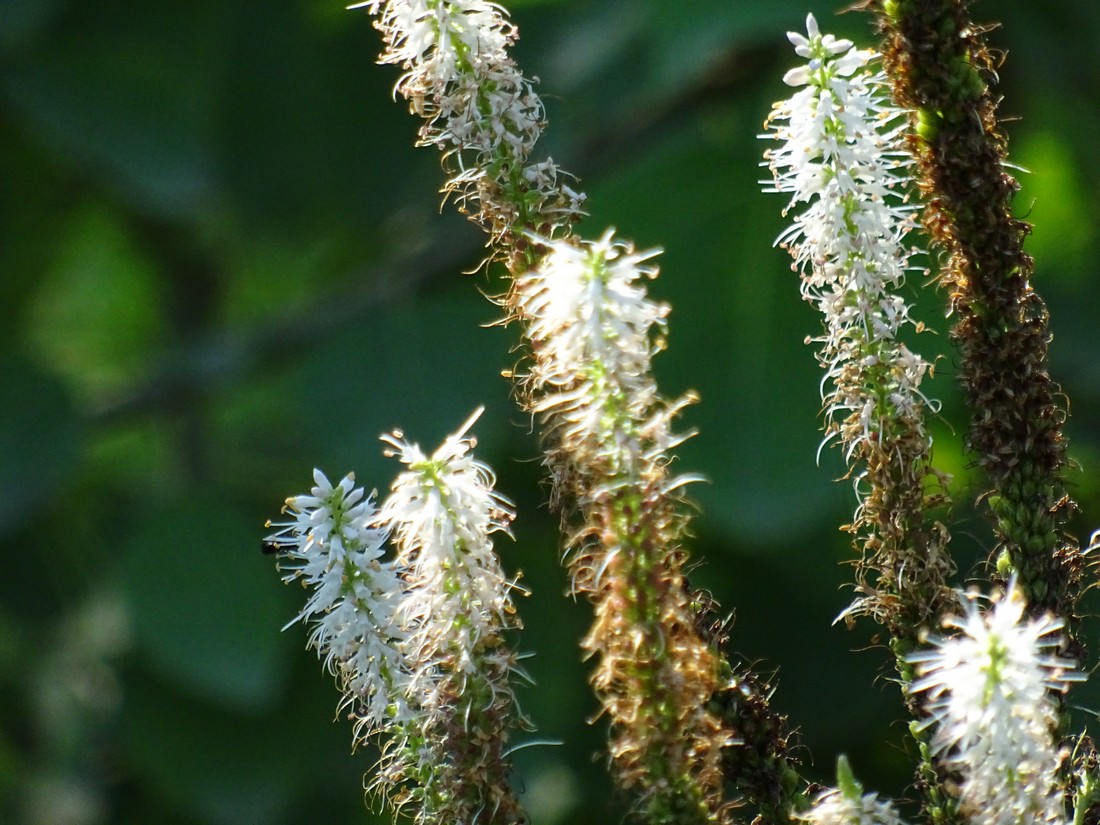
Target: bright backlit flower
{"x":847,"y":804}
{"x":988,"y":691}
{"x":443,"y":511}
{"x":334,"y":547}
{"x":842,"y":155}
{"x":451,"y":764}
{"x":594,"y":331}
{"x":837,"y":808}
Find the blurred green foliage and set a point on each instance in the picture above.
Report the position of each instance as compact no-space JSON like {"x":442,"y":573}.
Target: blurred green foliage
{"x":222,"y":264}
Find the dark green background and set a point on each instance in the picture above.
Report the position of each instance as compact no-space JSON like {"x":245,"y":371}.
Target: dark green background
{"x":222,"y":264}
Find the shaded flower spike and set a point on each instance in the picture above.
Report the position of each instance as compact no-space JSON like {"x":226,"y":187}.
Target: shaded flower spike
{"x":333,"y":547}
{"x":451,"y":764}
{"x":478,"y":109}
{"x":988,"y":690}
{"x":944,"y":73}
{"x":842,"y":160}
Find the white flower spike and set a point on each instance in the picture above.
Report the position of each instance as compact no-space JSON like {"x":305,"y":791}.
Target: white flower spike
{"x":452,"y":762}
{"x":842,"y":159}
{"x":842,"y":155}
{"x":334,"y":547}
{"x":988,"y":689}
{"x":847,"y":804}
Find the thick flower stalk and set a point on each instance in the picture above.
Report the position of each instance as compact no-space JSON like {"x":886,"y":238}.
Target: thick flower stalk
{"x":990,"y":690}
{"x":333,"y":547}
{"x":942,"y":71}
{"x":593,"y":331}
{"x":841,"y":158}
{"x":452,"y":765}
{"x":479,"y":110}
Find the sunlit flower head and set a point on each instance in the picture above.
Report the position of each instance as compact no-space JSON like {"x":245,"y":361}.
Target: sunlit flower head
{"x":842,"y":159}
{"x":594,"y":330}
{"x":988,"y":689}
{"x":443,"y":511}
{"x":836,"y":808}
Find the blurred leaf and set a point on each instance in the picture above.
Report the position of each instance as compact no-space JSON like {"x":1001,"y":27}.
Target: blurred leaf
{"x":40,"y":440}
{"x":22,"y":20}
{"x":97,"y":314}
{"x":303,"y":118}
{"x":124,"y":90}
{"x":1053,"y":198}
{"x":617,"y":57}
{"x":424,"y":368}
{"x":207,"y":605}
{"x":248,"y":772}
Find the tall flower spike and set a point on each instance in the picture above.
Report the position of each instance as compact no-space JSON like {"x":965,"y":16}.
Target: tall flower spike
{"x":478,"y":109}
{"x":593,"y":331}
{"x":451,"y":764}
{"x":333,"y":547}
{"x":988,"y":690}
{"x":841,"y":158}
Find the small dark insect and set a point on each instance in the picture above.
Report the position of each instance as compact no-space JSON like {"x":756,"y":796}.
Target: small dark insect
{"x":271,"y":547}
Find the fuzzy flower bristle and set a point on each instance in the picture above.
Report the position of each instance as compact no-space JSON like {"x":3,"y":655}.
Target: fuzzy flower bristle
{"x":944,"y":71}
{"x":333,"y":546}
{"x":988,"y":690}
{"x":443,"y":510}
{"x":837,"y":808}
{"x":842,"y":155}
{"x":847,"y":804}
{"x":594,"y":330}
{"x":451,"y":765}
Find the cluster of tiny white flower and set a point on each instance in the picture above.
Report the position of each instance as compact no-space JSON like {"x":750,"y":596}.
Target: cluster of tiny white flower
{"x":842,"y":155}
{"x":847,"y":804}
{"x":442,"y":511}
{"x":334,"y":547}
{"x":415,"y":644}
{"x":989,"y":691}
{"x":835,"y":807}
{"x":478,"y":109}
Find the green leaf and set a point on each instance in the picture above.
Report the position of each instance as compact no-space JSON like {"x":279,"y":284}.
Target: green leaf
{"x":22,"y":20}
{"x":96,"y":314}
